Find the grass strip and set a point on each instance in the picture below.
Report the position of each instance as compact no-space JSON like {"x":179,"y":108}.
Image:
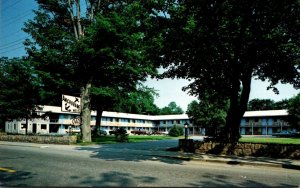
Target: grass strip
{"x":273,"y":140}
{"x":110,"y":139}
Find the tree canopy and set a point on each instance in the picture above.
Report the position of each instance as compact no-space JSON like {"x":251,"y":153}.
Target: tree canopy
{"x":172,"y":108}
{"x":140,"y":101}
{"x":93,"y":49}
{"x":261,"y":104}
{"x":267,"y":104}
{"x":20,"y":89}
{"x":208,"y":115}
{"x":294,"y":112}
{"x":221,"y":45}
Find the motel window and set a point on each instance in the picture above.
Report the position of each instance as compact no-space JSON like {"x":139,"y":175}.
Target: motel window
{"x":15,"y":126}
{"x":164,"y":122}
{"x":23,"y":126}
{"x":43,"y":126}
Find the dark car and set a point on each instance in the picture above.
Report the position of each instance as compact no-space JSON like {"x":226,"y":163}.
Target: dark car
{"x":112,"y":132}
{"x":286,"y":133}
{"x":139,"y":132}
{"x":103,"y":132}
{"x":119,"y":131}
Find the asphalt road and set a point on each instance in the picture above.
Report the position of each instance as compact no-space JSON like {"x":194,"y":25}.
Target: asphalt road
{"x":127,"y":164}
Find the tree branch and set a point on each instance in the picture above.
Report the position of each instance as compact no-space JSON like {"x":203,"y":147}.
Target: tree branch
{"x":73,"y":20}
{"x":79,"y":28}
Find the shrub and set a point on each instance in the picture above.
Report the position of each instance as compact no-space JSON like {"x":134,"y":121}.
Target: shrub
{"x":79,"y":140}
{"x":121,"y":135}
{"x":176,"y":131}
{"x":95,"y":132}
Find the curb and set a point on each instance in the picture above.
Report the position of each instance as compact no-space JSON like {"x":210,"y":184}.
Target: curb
{"x":235,"y":162}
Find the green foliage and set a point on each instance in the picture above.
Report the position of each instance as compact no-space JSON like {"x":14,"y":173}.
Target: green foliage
{"x":283,"y":104}
{"x":267,"y":104}
{"x":221,"y":45}
{"x":261,"y":104}
{"x":209,"y":115}
{"x":140,"y":101}
{"x":172,"y":108}
{"x":20,"y":89}
{"x":50,"y":51}
{"x":121,"y":135}
{"x":110,"y":52}
{"x":176,"y":131}
{"x":294,"y":112}
{"x":99,"y":53}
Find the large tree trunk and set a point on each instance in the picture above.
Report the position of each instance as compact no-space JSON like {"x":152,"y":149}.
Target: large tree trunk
{"x":85,"y":114}
{"x":238,"y":106}
{"x":231,"y":130}
{"x":98,"y":119}
{"x":26,"y":130}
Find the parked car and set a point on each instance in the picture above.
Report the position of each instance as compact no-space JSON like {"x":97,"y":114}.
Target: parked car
{"x":139,"y":132}
{"x":117,"y":130}
{"x":103,"y":132}
{"x":160,"y":133}
{"x":286,"y":133}
{"x":112,"y":132}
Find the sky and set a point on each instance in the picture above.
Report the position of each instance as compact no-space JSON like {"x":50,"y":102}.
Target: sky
{"x":13,"y":14}
{"x":170,"y":90}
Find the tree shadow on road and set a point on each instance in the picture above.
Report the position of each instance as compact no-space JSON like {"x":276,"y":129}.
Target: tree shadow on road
{"x":212,"y":180}
{"x":117,"y":179}
{"x":132,"y":152}
{"x":15,"y":179}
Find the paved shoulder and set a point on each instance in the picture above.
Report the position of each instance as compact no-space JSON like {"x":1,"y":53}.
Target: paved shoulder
{"x":236,"y":160}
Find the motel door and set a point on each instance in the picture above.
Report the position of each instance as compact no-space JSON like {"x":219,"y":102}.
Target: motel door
{"x":34,"y":128}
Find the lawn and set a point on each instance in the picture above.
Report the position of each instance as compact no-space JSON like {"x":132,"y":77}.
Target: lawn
{"x":271,"y":140}
{"x":110,"y":139}
{"x":141,"y":138}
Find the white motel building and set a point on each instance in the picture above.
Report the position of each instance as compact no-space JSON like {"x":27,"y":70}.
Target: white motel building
{"x":62,"y":122}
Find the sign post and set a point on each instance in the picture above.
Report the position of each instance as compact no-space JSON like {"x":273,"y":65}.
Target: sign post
{"x":186,"y":131}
